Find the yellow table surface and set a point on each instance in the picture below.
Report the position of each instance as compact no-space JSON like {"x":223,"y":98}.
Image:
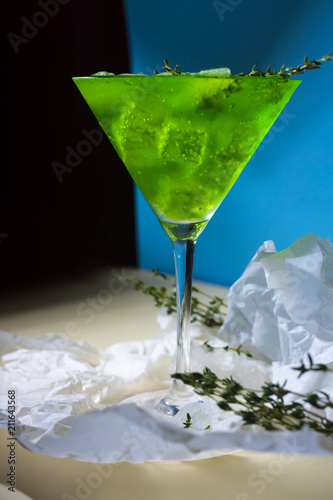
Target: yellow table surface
{"x":129,"y":315}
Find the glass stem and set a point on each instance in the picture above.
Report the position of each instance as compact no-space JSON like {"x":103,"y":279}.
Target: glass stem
{"x":183,"y":254}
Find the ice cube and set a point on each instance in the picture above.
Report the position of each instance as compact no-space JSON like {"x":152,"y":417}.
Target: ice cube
{"x":216,"y":71}
{"x":103,"y":73}
{"x":138,"y":130}
{"x":181,"y":145}
{"x":203,"y":415}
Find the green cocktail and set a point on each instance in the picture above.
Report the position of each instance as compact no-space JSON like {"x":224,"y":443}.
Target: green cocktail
{"x":185,"y":138}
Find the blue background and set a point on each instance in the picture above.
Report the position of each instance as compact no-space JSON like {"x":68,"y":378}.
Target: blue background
{"x":286,"y":190}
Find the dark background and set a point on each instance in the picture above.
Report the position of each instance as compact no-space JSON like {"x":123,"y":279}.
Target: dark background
{"x":51,"y":229}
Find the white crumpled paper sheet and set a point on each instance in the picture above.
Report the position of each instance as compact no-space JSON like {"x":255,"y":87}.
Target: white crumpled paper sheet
{"x":68,"y":393}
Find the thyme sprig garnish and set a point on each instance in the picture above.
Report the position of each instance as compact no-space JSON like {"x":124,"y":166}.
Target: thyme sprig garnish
{"x":284,"y":72}
{"x":167,"y":68}
{"x":206,"y":309}
{"x":290,"y":71}
{"x":267,"y":406}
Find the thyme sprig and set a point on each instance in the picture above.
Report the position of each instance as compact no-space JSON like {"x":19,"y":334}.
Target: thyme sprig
{"x":167,"y":68}
{"x":267,"y":406}
{"x":314,"y":367}
{"x":290,"y":71}
{"x":227,"y":348}
{"x":206,"y":309}
{"x":284,"y":72}
{"x":188,"y":422}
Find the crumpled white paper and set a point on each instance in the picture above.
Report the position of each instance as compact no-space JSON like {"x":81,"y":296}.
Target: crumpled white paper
{"x":68,"y":393}
{"x":289,"y":295}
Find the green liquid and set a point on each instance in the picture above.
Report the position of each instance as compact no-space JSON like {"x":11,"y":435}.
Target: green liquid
{"x":185,"y":139}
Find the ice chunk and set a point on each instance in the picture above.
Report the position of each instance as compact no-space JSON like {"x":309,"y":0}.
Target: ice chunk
{"x":138,"y":130}
{"x":103,"y":73}
{"x":216,"y":71}
{"x":203,"y":415}
{"x":181,"y":145}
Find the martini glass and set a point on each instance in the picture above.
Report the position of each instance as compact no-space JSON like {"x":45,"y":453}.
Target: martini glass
{"x":185,"y":138}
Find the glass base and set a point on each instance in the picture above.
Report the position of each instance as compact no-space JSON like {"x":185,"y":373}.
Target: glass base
{"x":164,"y":406}
{"x":172,"y":405}
{"x":191,"y":412}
